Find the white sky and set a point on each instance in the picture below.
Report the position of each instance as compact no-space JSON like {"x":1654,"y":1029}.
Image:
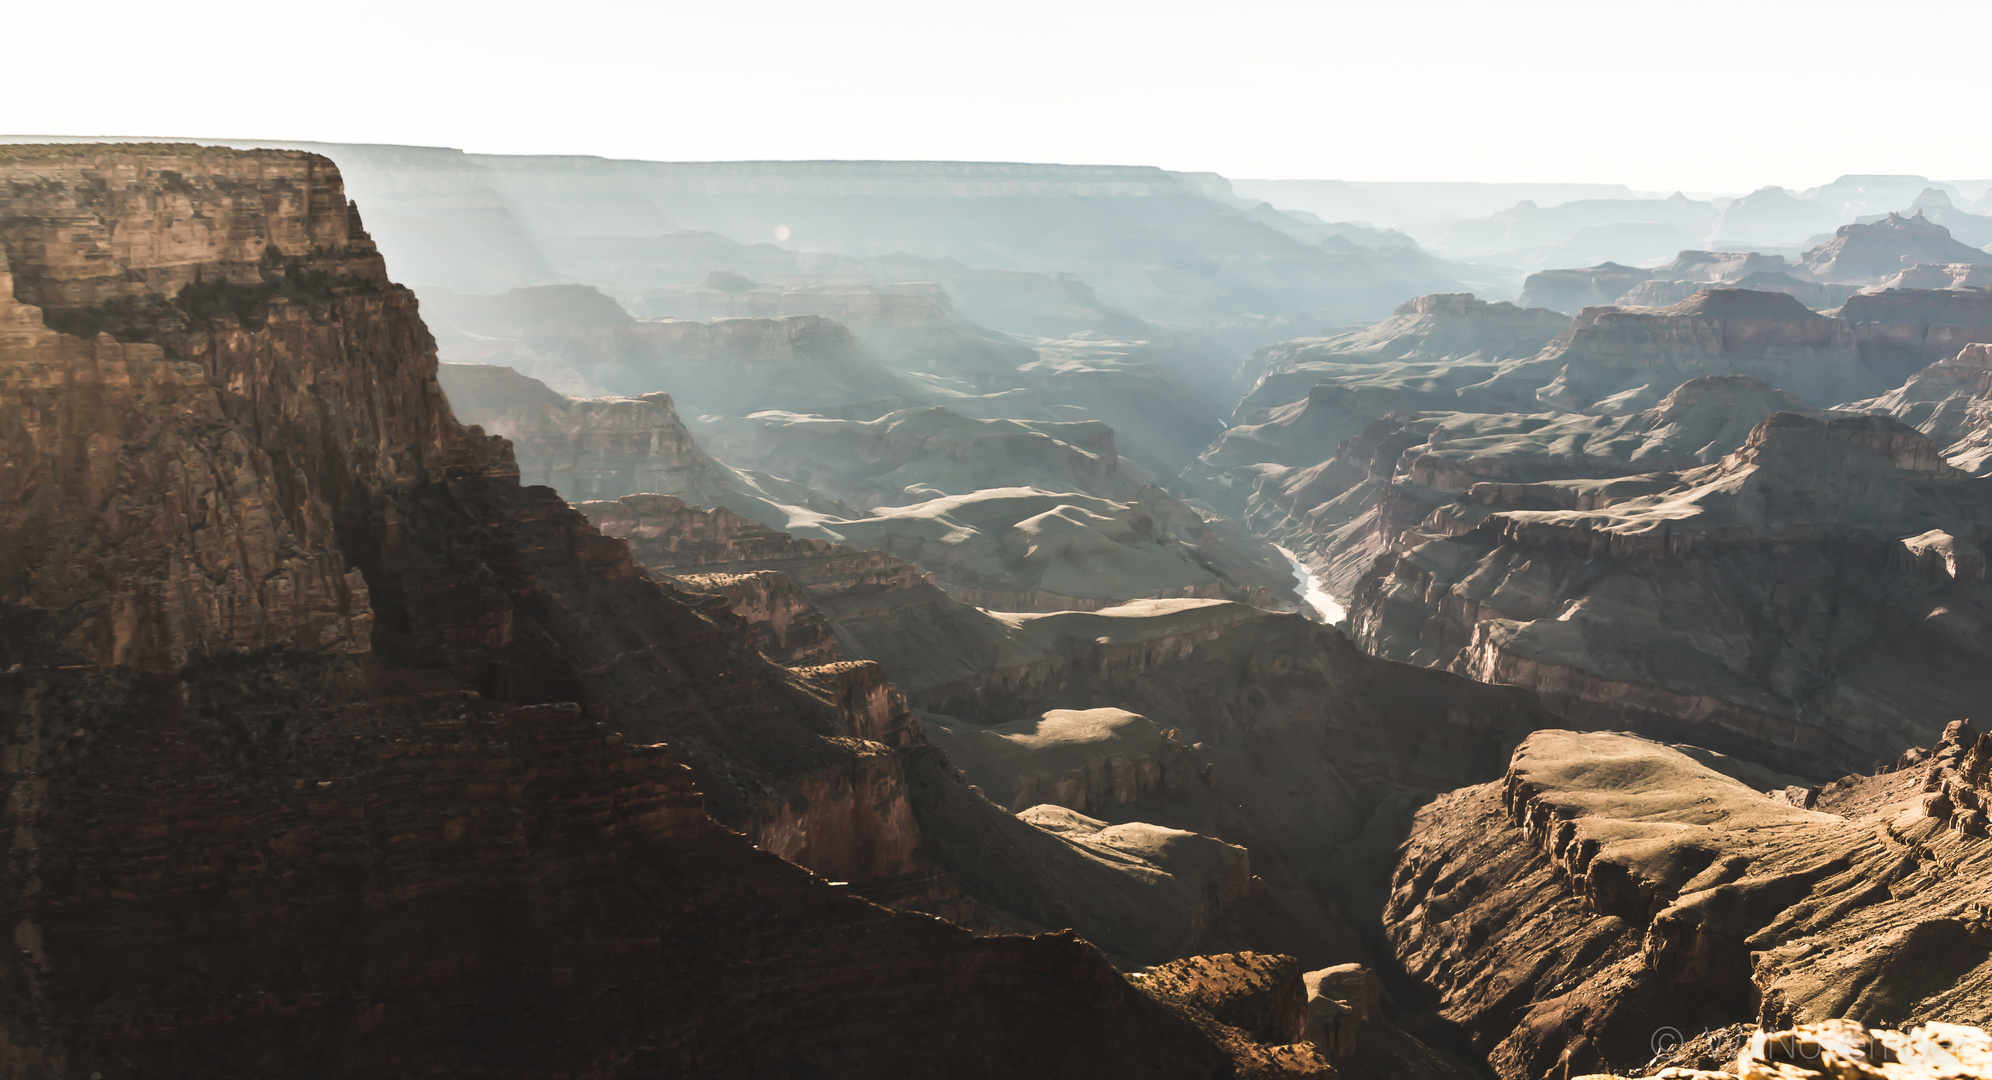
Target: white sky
{"x":1706,"y":95}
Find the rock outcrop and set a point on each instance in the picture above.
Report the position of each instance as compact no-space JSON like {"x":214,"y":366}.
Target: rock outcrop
{"x":1794,"y":599}
{"x":1612,"y":893}
{"x":1876,"y":251}
{"x":328,"y":742}
{"x":1022,"y":549}
{"x":1427,"y":334}
{"x":1664,"y":292}
{"x":913,"y":455}
{"x":1615,"y":360}
{"x":1951,"y":402}
{"x":907,"y":325}
{"x":1571,"y":291}
{"x":1171,"y":720}
{"x":608,"y":447}
{"x":1688,"y":273}
{"x":1379,"y":489}
{"x":1908,"y":329}
{"x":581,"y":341}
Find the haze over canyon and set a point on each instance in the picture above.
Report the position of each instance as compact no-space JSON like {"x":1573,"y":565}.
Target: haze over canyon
{"x":555,"y":616}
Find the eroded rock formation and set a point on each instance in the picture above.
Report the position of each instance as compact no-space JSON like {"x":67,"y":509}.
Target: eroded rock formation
{"x":328,"y":742}
{"x":1610,"y":887}
{"x":1816,"y":591}
{"x":1878,"y":250}
{"x":1378,"y":490}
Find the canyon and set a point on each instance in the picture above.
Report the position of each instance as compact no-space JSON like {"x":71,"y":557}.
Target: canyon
{"x":640,"y":649}
{"x":292,"y":659}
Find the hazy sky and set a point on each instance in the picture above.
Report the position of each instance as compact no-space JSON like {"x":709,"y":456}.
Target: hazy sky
{"x":1710,"y":96}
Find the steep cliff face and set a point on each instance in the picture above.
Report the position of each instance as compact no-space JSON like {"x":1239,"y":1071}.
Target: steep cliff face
{"x":1443,"y":329}
{"x":1907,"y":329}
{"x":1613,"y":360}
{"x":908,"y":325}
{"x":1812,"y":597}
{"x":1951,"y":402}
{"x":328,"y":745}
{"x":608,"y":447}
{"x":1199,"y":718}
{"x":1611,"y":892}
{"x":1572,"y":290}
{"x":1379,"y":490}
{"x":1436,"y":352}
{"x":584,"y":342}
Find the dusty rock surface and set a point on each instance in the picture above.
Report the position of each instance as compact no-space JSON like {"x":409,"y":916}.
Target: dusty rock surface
{"x":1613,"y":893}
{"x":1839,"y":1048}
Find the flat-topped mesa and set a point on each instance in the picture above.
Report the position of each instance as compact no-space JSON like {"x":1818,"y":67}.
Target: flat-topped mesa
{"x":1616,"y":360}
{"x":741,"y":365}
{"x":1713,"y":321}
{"x":1572,"y":290}
{"x":266,"y":248}
{"x":666,"y":534}
{"x":1660,"y":292}
{"x":1461,"y":304}
{"x":1445,"y":346}
{"x":1718,"y":266}
{"x":1793,"y":443}
{"x":1431,"y":326}
{"x":1906,"y":329}
{"x":1709,"y":390}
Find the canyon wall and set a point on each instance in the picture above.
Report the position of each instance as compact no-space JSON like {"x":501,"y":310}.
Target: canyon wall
{"x":1812,"y":599}
{"x":327,"y":745}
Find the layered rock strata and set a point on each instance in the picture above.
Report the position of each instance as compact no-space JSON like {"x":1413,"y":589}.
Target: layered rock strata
{"x":326,"y":741}
{"x":1572,"y":290}
{"x":1427,"y":335}
{"x":1613,"y":360}
{"x":1612,"y":890}
{"x":1199,"y":716}
{"x":1377,"y":491}
{"x":1877,"y":250}
{"x":996,"y":512}
{"x":1796,"y":600}
{"x":608,"y":447}
{"x":1908,"y":329}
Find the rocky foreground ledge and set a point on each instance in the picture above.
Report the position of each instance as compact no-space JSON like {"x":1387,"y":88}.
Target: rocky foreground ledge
{"x":1846,"y":1050}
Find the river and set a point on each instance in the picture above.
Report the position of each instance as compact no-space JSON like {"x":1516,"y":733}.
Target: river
{"x":1316,"y":597}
